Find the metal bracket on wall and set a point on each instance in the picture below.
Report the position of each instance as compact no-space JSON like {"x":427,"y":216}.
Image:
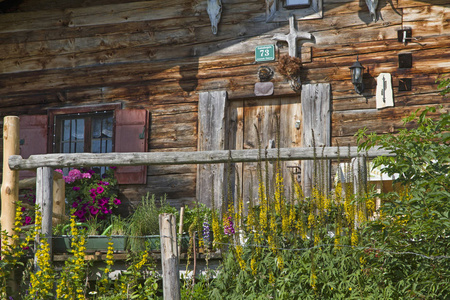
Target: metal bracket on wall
{"x":142,"y":135}
{"x":296,"y":170}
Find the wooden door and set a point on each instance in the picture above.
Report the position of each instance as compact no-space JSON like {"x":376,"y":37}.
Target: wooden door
{"x":258,"y":123}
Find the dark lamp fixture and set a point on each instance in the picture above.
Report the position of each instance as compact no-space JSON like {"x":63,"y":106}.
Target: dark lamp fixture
{"x":357,"y":71}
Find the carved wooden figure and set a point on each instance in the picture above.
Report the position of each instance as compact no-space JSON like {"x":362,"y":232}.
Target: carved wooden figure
{"x":214,"y":10}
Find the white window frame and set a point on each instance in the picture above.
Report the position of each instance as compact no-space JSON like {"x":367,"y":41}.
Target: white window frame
{"x":275,"y":12}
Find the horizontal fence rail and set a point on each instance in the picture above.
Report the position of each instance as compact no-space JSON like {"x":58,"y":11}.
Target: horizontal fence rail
{"x":61,"y":160}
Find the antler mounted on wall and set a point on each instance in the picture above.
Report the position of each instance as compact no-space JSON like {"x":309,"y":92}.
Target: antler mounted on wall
{"x":214,"y":10}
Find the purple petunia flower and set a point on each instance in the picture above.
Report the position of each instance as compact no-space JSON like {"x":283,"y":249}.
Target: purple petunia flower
{"x":117,"y":201}
{"x":27,"y":220}
{"x":100,"y":189}
{"x":80,"y":213}
{"x":75,"y":205}
{"x":76,"y":188}
{"x":103,"y":201}
{"x":93,"y":210}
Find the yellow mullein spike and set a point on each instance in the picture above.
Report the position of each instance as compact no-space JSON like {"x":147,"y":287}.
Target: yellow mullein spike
{"x":354,"y":238}
{"x":337,"y":237}
{"x":253,"y":266}
{"x":311,"y":220}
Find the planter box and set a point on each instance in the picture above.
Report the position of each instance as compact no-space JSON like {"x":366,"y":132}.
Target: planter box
{"x":99,"y":243}
{"x":94,"y":243}
{"x":153,"y":242}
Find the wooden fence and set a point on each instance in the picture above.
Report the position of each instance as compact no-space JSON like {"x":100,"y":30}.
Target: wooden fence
{"x":46,"y":163}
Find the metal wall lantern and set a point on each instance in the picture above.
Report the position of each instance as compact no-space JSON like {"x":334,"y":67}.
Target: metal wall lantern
{"x":357,"y":71}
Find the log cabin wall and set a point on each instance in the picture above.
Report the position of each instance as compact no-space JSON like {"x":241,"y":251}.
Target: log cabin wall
{"x":158,"y":55}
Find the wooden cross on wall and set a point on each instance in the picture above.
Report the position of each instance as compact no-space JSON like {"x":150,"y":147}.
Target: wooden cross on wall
{"x":292,"y":37}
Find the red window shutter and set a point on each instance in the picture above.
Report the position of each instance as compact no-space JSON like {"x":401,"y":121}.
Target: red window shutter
{"x":33,"y":138}
{"x":131,"y":136}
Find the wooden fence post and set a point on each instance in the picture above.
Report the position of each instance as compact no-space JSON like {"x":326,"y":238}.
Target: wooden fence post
{"x":169,"y":257}
{"x":44,"y":198}
{"x":10,"y":185}
{"x":59,"y":193}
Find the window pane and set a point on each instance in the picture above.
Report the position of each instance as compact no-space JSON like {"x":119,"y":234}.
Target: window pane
{"x":66,"y":148}
{"x":102,"y":133}
{"x":107,"y":129}
{"x":66,"y":131}
{"x":80,"y":129}
{"x":79,"y":147}
{"x":109,"y":146}
{"x":96,"y":128}
{"x":96,"y":146}
{"x":73,"y":128}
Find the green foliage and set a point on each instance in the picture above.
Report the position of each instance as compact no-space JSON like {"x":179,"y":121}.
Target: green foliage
{"x":310,"y":273}
{"x":139,"y":281}
{"x":198,"y":290}
{"x":419,"y":217}
{"x":194,"y":217}
{"x":401,"y":255}
{"x":415,"y":219}
{"x":444,"y":85}
{"x":145,"y":220}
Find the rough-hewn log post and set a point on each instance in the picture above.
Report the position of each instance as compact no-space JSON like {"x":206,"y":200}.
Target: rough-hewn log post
{"x":10,"y":185}
{"x":59,"y":205}
{"x":169,"y":257}
{"x":44,"y":198}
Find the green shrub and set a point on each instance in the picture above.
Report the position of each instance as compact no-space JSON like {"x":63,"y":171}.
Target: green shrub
{"x":145,"y":220}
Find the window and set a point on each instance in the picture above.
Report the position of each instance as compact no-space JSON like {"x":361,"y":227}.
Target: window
{"x":89,"y":132}
{"x":280,"y":10}
{"x":84,"y":133}
{"x":94,"y":128}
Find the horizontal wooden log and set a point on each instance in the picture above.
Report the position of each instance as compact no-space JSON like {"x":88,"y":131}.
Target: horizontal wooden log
{"x":59,"y":160}
{"x":414,"y":3}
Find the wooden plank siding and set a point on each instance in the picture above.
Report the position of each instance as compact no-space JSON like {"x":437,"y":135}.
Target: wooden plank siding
{"x":160,"y":55}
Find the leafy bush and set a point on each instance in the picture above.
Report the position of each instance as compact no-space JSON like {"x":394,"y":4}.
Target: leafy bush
{"x":415,"y":220}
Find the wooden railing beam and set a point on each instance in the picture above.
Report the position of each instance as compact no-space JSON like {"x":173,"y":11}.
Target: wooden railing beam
{"x":61,"y":160}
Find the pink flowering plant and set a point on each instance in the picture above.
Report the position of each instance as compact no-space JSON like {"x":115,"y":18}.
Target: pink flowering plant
{"x":91,"y":195}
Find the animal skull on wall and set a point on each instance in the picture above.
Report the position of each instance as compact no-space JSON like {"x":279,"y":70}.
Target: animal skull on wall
{"x":214,"y":10}
{"x":372,"y":5}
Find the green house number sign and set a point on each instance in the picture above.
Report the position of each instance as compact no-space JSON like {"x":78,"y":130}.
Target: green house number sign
{"x":265,"y":53}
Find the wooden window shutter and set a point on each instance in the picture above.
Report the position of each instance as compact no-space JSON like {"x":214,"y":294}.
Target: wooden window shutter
{"x":131,"y":136}
{"x":33,"y":134}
